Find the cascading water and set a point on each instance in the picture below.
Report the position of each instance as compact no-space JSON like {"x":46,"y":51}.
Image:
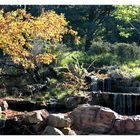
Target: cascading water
{"x":103,"y":85}
{"x":108,"y":84}
{"x":135,"y":104}
{"x":53,"y":103}
{"x":123,"y":104}
{"x":96,"y":84}
{"x":121,"y":107}
{"x":115,"y":102}
{"x":119,"y":103}
{"x":129,"y":105}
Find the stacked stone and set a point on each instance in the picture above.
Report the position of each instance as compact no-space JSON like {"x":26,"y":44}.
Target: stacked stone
{"x":58,"y":124}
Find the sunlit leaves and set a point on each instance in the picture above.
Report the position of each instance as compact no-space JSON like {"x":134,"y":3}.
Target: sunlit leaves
{"x":18,"y":29}
{"x":125,"y":32}
{"x":127,"y":12}
{"x":45,"y":58}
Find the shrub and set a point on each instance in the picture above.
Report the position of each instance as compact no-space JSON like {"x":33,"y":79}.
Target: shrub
{"x":127,"y":52}
{"x":99,"y":47}
{"x":105,"y":53}
{"x":106,"y":59}
{"x":72,"y":58}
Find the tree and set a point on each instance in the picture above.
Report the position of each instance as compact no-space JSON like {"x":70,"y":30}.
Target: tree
{"x":87,"y":20}
{"x":34,"y":10}
{"x":130,"y":15}
{"x":18,"y":29}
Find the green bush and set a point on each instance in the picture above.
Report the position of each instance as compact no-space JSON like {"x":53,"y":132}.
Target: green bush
{"x":106,"y":53}
{"x":101,"y":53}
{"x":99,"y":47}
{"x":105,"y":59}
{"x":127,"y":52}
{"x":72,"y":58}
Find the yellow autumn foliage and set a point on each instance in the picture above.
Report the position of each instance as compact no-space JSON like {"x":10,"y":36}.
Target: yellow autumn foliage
{"x":18,"y":29}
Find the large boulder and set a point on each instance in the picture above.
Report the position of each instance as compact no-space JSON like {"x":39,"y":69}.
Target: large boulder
{"x":25,"y":122}
{"x":92,"y":119}
{"x":126,"y":125}
{"x":72,"y":101}
{"x":58,"y":120}
{"x":101,"y":120}
{"x":49,"y":130}
{"x":116,"y":75}
{"x":35,"y":116}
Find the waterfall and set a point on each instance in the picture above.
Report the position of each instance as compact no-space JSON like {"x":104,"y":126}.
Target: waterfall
{"x":94,"y":84}
{"x":53,"y":104}
{"x":123,"y":104}
{"x":115,"y":102}
{"x":109,"y":84}
{"x":129,"y":104}
{"x":135,"y":104}
{"x":121,"y":108}
{"x":103,"y":85}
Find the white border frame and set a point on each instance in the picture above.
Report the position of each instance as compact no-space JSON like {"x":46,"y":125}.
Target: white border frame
{"x":69,"y":2}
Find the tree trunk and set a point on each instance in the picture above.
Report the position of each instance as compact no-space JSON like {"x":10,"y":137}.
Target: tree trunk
{"x":90,"y":28}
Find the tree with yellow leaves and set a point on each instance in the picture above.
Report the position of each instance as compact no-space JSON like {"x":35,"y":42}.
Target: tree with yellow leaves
{"x":18,"y":29}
